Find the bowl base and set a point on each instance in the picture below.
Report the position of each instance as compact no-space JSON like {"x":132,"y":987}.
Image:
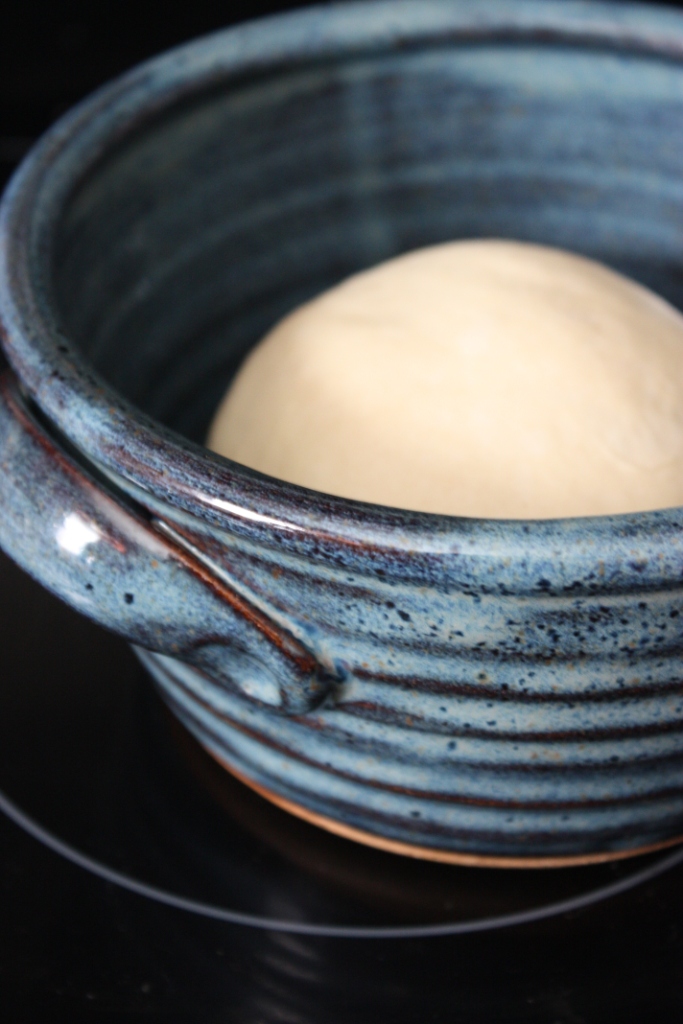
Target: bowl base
{"x":431,"y":853}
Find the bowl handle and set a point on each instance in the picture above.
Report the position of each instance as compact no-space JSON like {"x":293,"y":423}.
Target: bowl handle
{"x":107,"y":559}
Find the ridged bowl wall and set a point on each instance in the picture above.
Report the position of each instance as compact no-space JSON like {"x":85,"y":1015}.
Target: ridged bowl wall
{"x":493,"y":691}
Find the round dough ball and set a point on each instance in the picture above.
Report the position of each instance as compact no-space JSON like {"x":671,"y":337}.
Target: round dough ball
{"x":478,"y":378}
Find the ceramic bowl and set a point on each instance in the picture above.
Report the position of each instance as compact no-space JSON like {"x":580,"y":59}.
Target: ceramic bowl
{"x":493,"y":692}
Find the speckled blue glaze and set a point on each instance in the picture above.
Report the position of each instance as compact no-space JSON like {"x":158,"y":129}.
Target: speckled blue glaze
{"x":496,"y":688}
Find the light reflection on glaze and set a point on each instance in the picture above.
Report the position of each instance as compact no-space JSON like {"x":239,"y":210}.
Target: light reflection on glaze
{"x":75,"y":534}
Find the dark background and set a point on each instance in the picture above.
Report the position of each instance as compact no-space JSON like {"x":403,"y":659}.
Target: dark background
{"x":52,"y":54}
{"x":73,"y":948}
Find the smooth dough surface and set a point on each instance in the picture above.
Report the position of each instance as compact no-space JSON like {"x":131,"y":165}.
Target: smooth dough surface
{"x":476,"y":378}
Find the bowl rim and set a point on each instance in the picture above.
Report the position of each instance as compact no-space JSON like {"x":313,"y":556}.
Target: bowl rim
{"x":137,"y":450}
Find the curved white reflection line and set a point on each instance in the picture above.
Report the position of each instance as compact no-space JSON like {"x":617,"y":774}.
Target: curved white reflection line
{"x":246,"y":513}
{"x":341,"y":931}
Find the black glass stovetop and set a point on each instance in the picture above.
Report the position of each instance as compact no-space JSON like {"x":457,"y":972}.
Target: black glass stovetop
{"x":138,"y":880}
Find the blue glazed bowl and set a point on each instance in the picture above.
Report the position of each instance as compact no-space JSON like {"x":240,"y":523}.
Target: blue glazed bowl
{"x":493,"y":692}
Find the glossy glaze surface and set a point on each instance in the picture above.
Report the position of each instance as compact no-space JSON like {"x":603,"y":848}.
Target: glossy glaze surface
{"x":498,"y":688}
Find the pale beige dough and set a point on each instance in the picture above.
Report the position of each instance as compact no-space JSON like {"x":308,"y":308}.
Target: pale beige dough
{"x":475,"y":378}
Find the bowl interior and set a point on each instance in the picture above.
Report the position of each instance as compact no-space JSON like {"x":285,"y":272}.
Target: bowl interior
{"x":213,"y":218}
